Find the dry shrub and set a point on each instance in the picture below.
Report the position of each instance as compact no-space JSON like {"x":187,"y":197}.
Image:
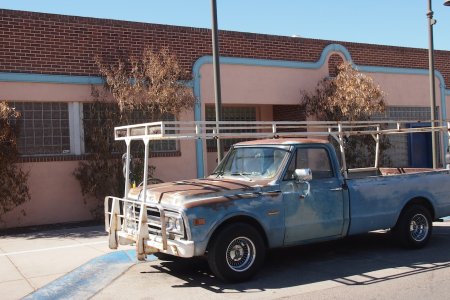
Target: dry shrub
{"x":146,"y":87}
{"x":350,"y":96}
{"x":153,"y":82}
{"x":13,"y":180}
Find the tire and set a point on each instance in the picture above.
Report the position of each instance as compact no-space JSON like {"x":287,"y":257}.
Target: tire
{"x":414,"y":227}
{"x":236,"y":252}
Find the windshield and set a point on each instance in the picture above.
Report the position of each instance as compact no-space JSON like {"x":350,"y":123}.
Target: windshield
{"x":248,"y":162}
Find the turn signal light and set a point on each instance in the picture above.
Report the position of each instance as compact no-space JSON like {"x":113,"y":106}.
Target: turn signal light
{"x":199,"y":221}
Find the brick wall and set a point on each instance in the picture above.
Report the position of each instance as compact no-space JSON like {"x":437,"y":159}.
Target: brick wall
{"x":333,"y":62}
{"x":56,"y":44}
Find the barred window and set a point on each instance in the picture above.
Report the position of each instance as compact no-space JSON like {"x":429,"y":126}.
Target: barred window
{"x":398,"y":152}
{"x":136,"y":118}
{"x":229,"y":114}
{"x":43,"y":128}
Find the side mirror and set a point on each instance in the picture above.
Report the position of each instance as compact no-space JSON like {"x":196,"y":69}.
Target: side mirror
{"x":303,"y":175}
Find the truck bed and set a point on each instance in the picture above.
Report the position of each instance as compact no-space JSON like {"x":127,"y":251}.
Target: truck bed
{"x":377,"y":199}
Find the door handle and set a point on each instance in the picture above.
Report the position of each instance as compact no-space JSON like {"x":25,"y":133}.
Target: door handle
{"x":336,"y":189}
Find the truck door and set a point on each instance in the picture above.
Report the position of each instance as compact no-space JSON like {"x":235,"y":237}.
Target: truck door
{"x":320,"y":214}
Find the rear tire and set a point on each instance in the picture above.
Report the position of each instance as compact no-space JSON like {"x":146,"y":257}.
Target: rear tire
{"x":236,"y":252}
{"x":414,"y":227}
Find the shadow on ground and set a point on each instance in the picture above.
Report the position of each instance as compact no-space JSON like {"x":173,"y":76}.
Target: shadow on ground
{"x":360,"y":260}
{"x":71,"y":230}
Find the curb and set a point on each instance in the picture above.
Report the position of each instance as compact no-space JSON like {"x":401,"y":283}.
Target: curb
{"x":86,"y":280}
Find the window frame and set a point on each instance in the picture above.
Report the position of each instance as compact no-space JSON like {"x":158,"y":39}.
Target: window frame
{"x":308,"y":147}
{"x":157,"y":152}
{"x":211,"y":145}
{"x":31,"y":125}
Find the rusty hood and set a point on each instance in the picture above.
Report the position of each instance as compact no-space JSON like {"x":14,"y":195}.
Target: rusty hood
{"x":189,"y":193}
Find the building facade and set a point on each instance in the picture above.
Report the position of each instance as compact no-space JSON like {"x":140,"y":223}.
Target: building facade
{"x":47,"y":68}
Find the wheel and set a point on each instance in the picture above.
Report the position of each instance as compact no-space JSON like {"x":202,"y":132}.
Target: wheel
{"x":236,"y":252}
{"x":414,"y":227}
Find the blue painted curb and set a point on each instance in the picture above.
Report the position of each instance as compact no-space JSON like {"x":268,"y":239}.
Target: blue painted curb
{"x":86,"y":280}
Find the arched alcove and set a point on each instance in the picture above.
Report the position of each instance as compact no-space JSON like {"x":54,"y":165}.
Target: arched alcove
{"x":333,"y":62}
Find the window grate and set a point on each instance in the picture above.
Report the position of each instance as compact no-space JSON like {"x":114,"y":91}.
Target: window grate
{"x":137,"y":117}
{"x":398,"y":152}
{"x":229,"y":114}
{"x":43,"y":128}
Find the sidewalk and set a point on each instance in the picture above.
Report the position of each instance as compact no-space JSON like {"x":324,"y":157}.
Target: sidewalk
{"x":30,"y":261}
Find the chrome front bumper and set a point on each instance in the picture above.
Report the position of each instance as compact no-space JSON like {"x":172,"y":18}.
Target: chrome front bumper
{"x":119,"y":233}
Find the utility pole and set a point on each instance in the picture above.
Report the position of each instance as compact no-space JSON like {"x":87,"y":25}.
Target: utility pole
{"x":431,"y":22}
{"x":216,"y":66}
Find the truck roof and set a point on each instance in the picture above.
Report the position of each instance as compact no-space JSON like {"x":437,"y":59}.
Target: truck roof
{"x":283,"y":141}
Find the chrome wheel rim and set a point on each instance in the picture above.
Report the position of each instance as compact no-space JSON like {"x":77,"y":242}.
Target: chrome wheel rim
{"x":241,"y":254}
{"x":419,"y":227}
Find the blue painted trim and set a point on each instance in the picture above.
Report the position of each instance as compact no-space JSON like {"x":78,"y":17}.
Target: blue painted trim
{"x":198,"y":117}
{"x":87,"y":280}
{"x":47,"y":78}
{"x":272,"y":63}
{"x":68,"y":79}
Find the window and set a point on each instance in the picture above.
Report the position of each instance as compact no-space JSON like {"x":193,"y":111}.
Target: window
{"x":253,"y":162}
{"x":137,"y":117}
{"x":43,"y":128}
{"x":398,"y":151}
{"x":230,"y":114}
{"x":315,"y":159}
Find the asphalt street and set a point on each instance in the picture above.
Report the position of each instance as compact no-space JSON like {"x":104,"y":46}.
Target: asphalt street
{"x":76,"y":263}
{"x":369,"y":266}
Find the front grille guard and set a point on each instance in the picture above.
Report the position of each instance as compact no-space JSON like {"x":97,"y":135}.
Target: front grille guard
{"x":118,"y":220}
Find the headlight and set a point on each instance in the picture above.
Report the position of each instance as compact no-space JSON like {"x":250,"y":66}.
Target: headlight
{"x":174,"y":225}
{"x":130,"y":218}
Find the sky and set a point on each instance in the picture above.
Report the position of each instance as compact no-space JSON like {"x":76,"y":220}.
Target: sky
{"x":384,"y":22}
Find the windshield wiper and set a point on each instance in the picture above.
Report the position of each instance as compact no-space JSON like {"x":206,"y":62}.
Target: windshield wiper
{"x":218,"y":173}
{"x":243,"y":175}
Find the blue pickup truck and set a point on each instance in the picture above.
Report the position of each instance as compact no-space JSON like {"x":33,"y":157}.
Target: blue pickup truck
{"x":276,"y":193}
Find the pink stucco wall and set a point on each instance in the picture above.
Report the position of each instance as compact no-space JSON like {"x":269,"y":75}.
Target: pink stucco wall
{"x":55,"y":196}
{"x":406,"y":89}
{"x":45,"y":92}
{"x":55,"y":193}
{"x":277,"y":85}
{"x":259,"y":85}
{"x":447,"y":100}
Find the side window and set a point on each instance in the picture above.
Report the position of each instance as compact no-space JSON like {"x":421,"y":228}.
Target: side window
{"x":229,"y":114}
{"x":314,"y":158}
{"x":290,"y":171}
{"x":43,"y":128}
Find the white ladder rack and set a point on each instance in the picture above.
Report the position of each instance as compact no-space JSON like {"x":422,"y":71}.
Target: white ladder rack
{"x":182,"y":130}
{"x":178,"y":130}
